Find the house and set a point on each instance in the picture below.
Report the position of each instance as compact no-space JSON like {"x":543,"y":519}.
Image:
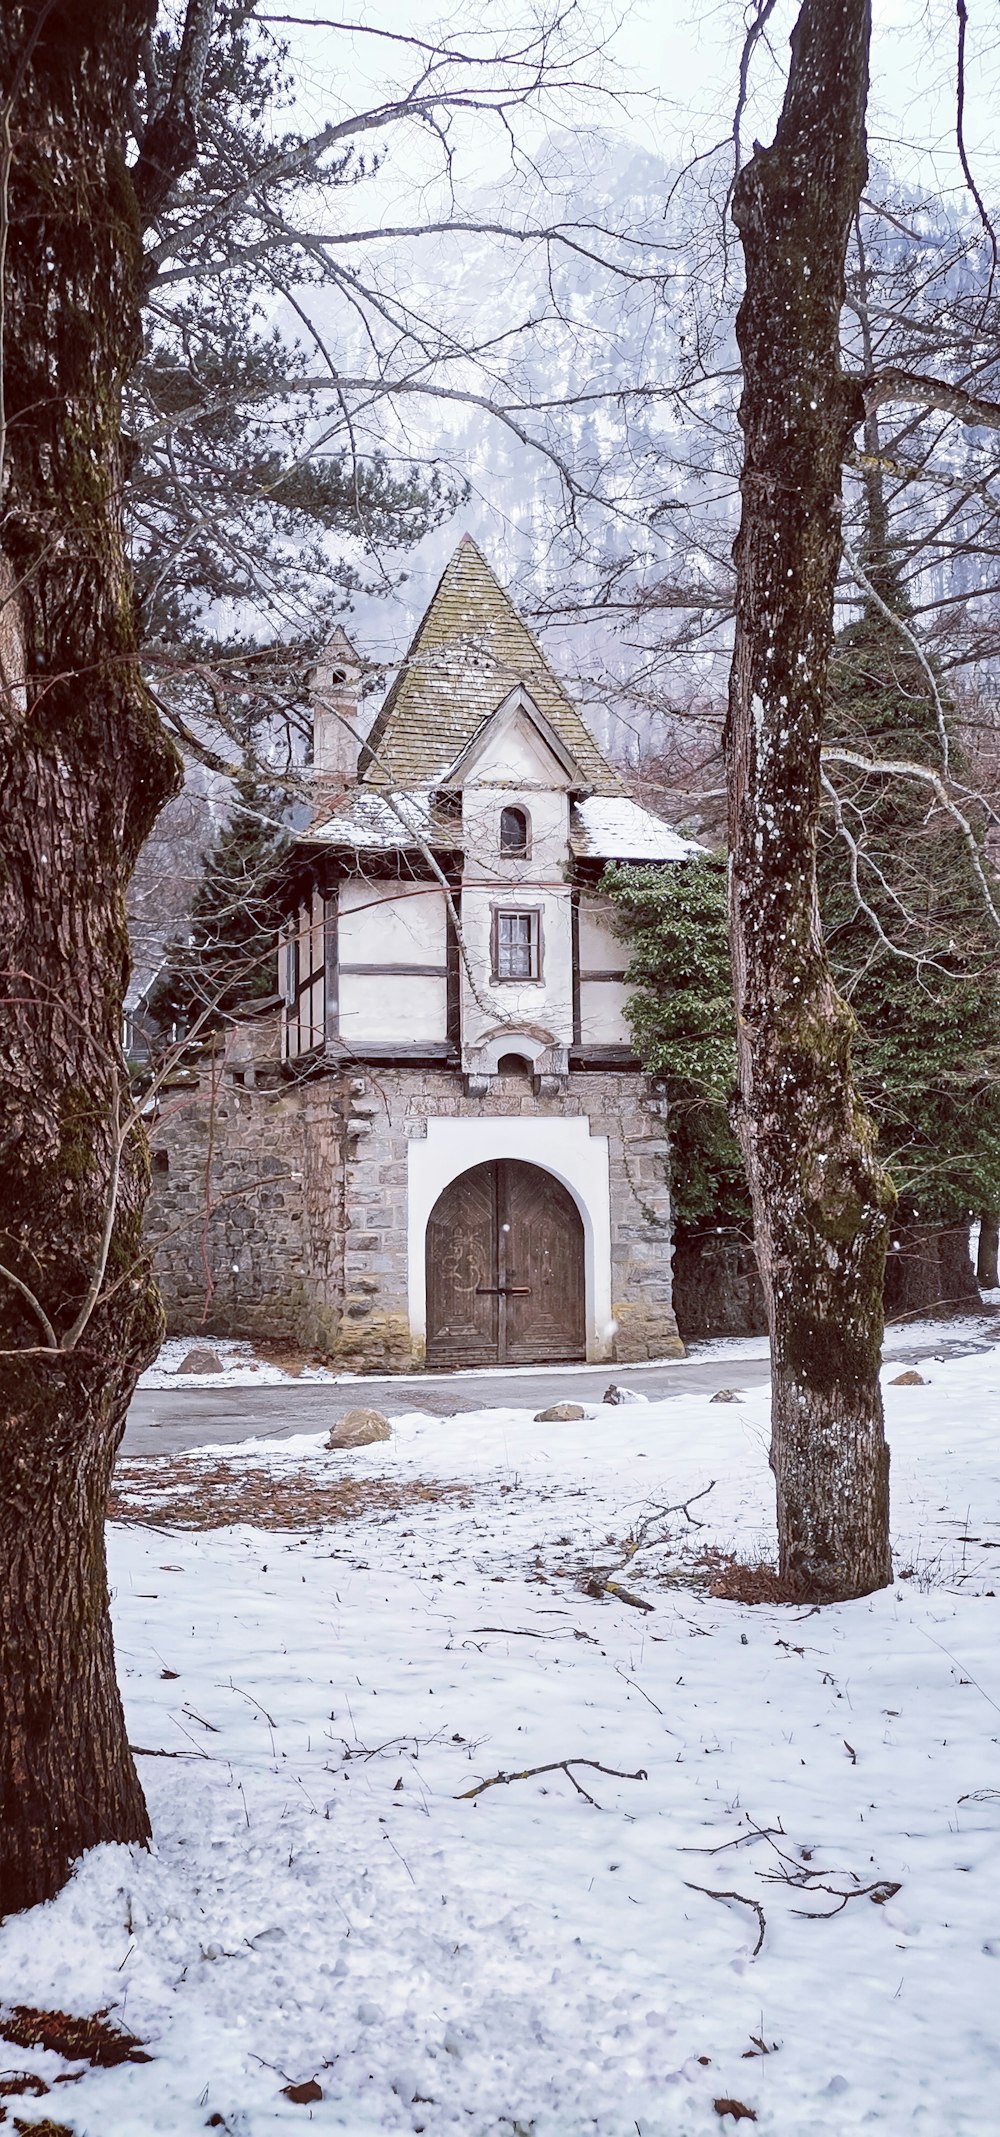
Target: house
{"x":442,"y":1149}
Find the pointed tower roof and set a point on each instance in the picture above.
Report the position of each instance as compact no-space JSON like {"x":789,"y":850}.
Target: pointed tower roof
{"x":469,"y":652}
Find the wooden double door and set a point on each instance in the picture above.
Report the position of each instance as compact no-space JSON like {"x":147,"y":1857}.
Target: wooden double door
{"x":505,"y":1270}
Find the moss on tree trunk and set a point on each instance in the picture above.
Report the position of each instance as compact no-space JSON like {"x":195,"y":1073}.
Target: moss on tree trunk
{"x":84,"y":769}
{"x":821,"y":1201}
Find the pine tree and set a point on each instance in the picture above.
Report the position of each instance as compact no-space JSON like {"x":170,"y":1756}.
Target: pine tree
{"x":913,"y":952}
{"x":228,"y":955}
{"x":682,"y":1021}
{"x":247,"y":525}
{"x":674,"y":920}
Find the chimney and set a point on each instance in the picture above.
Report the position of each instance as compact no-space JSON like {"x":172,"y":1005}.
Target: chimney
{"x":335,"y":692}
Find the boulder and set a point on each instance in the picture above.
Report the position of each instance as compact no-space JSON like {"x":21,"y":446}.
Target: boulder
{"x":560,"y":1413}
{"x":728,"y":1395}
{"x":200,"y":1361}
{"x":358,"y":1428}
{"x":615,"y":1395}
{"x":912,"y":1379}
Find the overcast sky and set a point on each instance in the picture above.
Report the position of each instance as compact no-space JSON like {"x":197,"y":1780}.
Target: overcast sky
{"x":669,"y":80}
{"x":674,"y":64}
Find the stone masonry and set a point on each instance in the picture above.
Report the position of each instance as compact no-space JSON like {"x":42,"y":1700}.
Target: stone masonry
{"x":278,"y":1208}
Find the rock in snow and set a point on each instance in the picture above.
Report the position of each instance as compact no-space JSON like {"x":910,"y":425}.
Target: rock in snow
{"x":560,"y":1413}
{"x":358,"y":1428}
{"x":200,"y":1361}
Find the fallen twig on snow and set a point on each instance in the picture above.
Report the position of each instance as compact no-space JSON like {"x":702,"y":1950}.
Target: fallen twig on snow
{"x":601,"y":1580}
{"x":756,"y":1832}
{"x":148,"y":1751}
{"x":884,"y":1888}
{"x":682,"y":1506}
{"x":554,"y":1766}
{"x":754,"y":1905}
{"x":600,"y":1584}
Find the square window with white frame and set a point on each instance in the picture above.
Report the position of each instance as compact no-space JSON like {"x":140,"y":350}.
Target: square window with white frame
{"x":517,"y":944}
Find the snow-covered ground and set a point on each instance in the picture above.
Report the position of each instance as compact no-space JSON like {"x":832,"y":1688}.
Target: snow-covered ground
{"x":325,"y":1901}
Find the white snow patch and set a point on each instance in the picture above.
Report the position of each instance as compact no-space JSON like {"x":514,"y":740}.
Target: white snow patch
{"x":616,"y":829}
{"x":374,"y":821}
{"x":241,"y":1367}
{"x":320,"y":1902}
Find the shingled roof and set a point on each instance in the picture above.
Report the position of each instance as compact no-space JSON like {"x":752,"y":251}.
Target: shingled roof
{"x":470,"y":651}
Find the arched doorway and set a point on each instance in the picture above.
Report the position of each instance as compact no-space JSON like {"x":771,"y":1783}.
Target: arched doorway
{"x":505,"y":1270}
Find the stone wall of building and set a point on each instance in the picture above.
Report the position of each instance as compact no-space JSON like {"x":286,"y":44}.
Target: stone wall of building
{"x":279,"y":1209}
{"x":225,"y":1218}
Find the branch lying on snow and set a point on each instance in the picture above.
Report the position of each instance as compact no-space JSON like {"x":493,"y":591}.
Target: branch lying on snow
{"x":797,"y":1874}
{"x":660,"y":1513}
{"x":802,"y":1879}
{"x":884,"y":1889}
{"x":601,"y":1584}
{"x":554,"y":1766}
{"x":754,"y":1905}
{"x":151,"y":1751}
{"x":601,"y":1581}
{"x":756,"y":1832}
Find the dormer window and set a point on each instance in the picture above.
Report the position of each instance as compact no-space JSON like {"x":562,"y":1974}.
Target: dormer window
{"x":513,"y":831}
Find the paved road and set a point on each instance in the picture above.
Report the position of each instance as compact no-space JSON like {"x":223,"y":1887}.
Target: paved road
{"x":172,"y":1420}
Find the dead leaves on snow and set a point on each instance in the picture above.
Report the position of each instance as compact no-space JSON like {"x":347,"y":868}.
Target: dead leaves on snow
{"x":187,"y":1492}
{"x":77,"y":2040}
{"x":304,"y":2095}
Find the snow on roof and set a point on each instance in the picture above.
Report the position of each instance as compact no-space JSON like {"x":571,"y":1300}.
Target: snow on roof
{"x":607,"y":828}
{"x":379,"y":822}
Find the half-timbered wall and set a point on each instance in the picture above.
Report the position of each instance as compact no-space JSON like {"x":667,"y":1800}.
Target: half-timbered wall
{"x":393,"y":963}
{"x":602,"y":990}
{"x":303,"y":957}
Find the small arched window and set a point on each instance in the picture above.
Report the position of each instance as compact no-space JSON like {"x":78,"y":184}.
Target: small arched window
{"x":513,"y":831}
{"x":514,"y":1065}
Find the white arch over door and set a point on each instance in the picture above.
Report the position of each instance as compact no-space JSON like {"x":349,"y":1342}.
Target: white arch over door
{"x":563,"y":1147}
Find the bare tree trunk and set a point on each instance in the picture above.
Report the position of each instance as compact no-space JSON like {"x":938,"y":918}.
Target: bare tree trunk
{"x":821,"y":1201}
{"x":987,"y":1275}
{"x":84,"y":768}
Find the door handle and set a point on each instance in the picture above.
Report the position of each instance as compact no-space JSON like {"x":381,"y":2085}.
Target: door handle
{"x":503,"y":1291}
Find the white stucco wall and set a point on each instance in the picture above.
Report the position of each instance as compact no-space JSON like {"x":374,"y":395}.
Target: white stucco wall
{"x":602,"y":1002}
{"x":563,"y":1147}
{"x":601,"y":950}
{"x":386,"y":924}
{"x":548,"y":1001}
{"x":602,"y":1014}
{"x":392,"y":1009}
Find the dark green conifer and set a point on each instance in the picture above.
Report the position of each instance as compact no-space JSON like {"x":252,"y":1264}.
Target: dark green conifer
{"x":912,"y":948}
{"x":683,"y":1023}
{"x":911,"y":942}
{"x":228,"y":957}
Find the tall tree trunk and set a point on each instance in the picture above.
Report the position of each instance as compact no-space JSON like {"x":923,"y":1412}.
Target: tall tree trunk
{"x":821,"y":1201}
{"x":987,"y":1275}
{"x":84,"y":768}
